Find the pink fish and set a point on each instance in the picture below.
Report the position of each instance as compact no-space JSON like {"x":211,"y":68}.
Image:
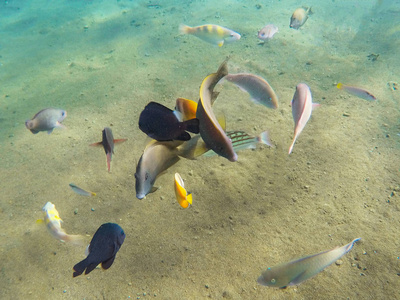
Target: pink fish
{"x":267,"y":32}
{"x":301,"y":110}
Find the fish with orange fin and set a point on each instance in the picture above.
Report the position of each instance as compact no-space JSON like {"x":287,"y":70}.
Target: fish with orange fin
{"x":108,"y":143}
{"x":183,"y":197}
{"x":187,"y":108}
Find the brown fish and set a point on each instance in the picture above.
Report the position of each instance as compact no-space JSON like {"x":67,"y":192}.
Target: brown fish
{"x":108,"y":142}
{"x":299,"y":17}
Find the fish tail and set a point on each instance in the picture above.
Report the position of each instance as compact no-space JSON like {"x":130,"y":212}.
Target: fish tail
{"x":189,"y":198}
{"x":292,"y":145}
{"x":264,"y":138}
{"x":108,"y":161}
{"x":80,"y":267}
{"x":192,"y":125}
{"x":339,"y":86}
{"x":93,"y":194}
{"x":184,"y":29}
{"x":74,"y":239}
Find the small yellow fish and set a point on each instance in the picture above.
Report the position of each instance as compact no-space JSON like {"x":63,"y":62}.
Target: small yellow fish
{"x":187,"y":108}
{"x":184,"y":198}
{"x":299,"y":17}
{"x":53,"y":224}
{"x":213,"y":34}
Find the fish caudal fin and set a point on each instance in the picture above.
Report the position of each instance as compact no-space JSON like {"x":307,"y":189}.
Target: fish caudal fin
{"x":79,"y":267}
{"x":292,"y":145}
{"x":192,"y":125}
{"x":74,"y":239}
{"x":108,"y":161}
{"x":184,"y":29}
{"x":264,"y":139}
{"x":189,"y":198}
{"x":96,"y":144}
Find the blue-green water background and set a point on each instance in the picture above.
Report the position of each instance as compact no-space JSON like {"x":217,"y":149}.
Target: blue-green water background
{"x":102,"y":61}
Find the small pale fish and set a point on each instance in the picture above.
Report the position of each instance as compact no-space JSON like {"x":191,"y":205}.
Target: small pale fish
{"x":156,"y":158}
{"x":267,"y":32}
{"x":183,"y":197}
{"x":299,"y":270}
{"x":187,"y":108}
{"x":210,"y":130}
{"x":258,"y":88}
{"x":46,"y":120}
{"x":213,"y":34}
{"x":53,"y":223}
{"x":80,"y":191}
{"x":358,"y":92}
{"x":301,"y":110}
{"x":299,"y":17}
{"x":241,"y":140}
{"x":108,"y":143}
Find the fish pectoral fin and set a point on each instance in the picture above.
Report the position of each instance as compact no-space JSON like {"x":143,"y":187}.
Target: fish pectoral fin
{"x":39,"y":221}
{"x":298,"y":279}
{"x":119,"y":141}
{"x":96,"y":144}
{"x":221,"y":43}
{"x":153,"y":189}
{"x":106,"y":264}
{"x":50,"y":131}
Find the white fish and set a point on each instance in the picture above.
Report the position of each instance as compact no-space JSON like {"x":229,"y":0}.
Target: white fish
{"x":299,"y":270}
{"x":267,"y":32}
{"x":301,"y":110}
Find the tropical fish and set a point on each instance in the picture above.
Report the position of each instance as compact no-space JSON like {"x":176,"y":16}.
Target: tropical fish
{"x":214,"y":34}
{"x":210,"y":130}
{"x":301,"y":110}
{"x":241,"y":140}
{"x":102,"y":249}
{"x":299,"y":17}
{"x":267,"y":32}
{"x":187,"y":108}
{"x":162,"y":124}
{"x":53,"y":223}
{"x":299,"y":270}
{"x":46,"y":120}
{"x":184,"y":198}
{"x":258,"y":88}
{"x":359,"y":92}
{"x":108,"y":142}
{"x":156,"y":158}
{"x":80,"y":191}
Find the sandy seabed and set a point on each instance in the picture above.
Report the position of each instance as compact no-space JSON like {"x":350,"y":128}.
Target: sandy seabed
{"x":103,"y":61}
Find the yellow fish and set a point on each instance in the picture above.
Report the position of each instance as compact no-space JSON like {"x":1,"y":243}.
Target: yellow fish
{"x":187,"y":108}
{"x":53,"y":223}
{"x":184,"y":198}
{"x":213,"y":34}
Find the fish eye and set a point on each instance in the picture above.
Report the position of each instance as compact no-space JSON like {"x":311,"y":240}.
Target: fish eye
{"x":63,"y":113}
{"x":273,"y":280}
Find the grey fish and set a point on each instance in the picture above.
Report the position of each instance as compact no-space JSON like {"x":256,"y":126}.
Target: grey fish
{"x":258,"y":88}
{"x":46,"y":120}
{"x":299,"y":270}
{"x":80,"y":191}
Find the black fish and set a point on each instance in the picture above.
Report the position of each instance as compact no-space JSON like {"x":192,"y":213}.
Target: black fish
{"x":161,"y":123}
{"x":102,"y":248}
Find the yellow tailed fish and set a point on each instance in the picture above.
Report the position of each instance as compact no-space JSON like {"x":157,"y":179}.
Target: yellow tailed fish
{"x":184,"y":198}
{"x":187,"y":108}
{"x":356,"y":91}
{"x":210,"y":130}
{"x":213,"y":34}
{"x":299,"y":270}
{"x":53,"y":224}
{"x":80,"y":191}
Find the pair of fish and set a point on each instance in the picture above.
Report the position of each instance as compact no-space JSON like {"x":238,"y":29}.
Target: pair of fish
{"x":108,"y":143}
{"x":102,"y":249}
{"x":299,"y":17}
{"x":213,"y":34}
{"x":46,"y":120}
{"x":53,"y":223}
{"x":301,"y":269}
{"x":163,"y":124}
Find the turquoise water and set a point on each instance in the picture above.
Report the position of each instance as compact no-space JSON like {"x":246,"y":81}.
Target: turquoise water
{"x":103,"y":61}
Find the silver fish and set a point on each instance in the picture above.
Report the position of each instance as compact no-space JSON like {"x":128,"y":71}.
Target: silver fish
{"x":258,"y":88}
{"x":80,"y":191}
{"x":356,"y":91}
{"x":267,"y":32}
{"x":299,"y":270}
{"x":46,"y":120}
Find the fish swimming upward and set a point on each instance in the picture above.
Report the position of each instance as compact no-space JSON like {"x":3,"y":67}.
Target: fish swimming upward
{"x":46,"y":120}
{"x":299,"y":17}
{"x":53,"y":223}
{"x":162,"y":124}
{"x":210,"y":130}
{"x":301,"y":110}
{"x":108,"y":143}
{"x":103,"y":248}
{"x":213,"y":34}
{"x":299,"y":270}
{"x":257,"y":87}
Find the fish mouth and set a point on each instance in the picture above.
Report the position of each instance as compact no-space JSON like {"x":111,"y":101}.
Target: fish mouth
{"x":140,"y":196}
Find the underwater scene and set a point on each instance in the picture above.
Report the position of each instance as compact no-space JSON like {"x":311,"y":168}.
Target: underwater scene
{"x":196,"y":149}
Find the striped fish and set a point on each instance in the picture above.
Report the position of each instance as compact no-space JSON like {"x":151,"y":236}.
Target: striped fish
{"x":213,"y":34}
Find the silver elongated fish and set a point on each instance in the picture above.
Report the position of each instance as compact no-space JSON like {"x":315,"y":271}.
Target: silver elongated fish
{"x":356,"y":91}
{"x":80,"y":191}
{"x":299,"y":270}
{"x":258,"y":88}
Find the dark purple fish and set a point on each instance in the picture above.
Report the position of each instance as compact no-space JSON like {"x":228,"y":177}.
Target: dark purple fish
{"x":267,"y":32}
{"x":46,"y":120}
{"x":162,"y":124}
{"x":108,"y":142}
{"x":102,"y":249}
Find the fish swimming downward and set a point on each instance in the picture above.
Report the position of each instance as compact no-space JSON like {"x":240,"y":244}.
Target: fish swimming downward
{"x":103,"y":248}
{"x":163,"y":124}
{"x":108,"y":143}
{"x":213,"y":34}
{"x":53,"y":223}
{"x":46,"y":120}
{"x":299,"y":270}
{"x":183,"y":197}
{"x":299,"y":17}
{"x":301,"y":110}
